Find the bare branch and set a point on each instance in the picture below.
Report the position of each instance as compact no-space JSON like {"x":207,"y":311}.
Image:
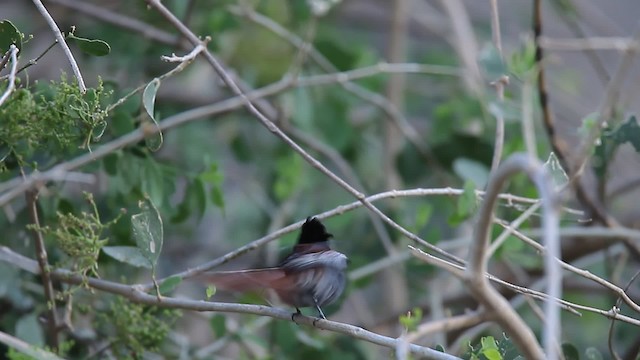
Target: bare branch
{"x":12,"y":54}
{"x":499,"y":85}
{"x":43,"y":263}
{"x":474,"y":274}
{"x":60,"y":38}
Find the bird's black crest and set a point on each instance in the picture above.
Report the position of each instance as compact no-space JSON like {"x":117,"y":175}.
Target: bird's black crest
{"x":313,"y":231}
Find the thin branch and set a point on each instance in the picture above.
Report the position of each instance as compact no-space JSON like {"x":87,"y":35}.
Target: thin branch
{"x":622,"y":44}
{"x":43,"y":263}
{"x":613,"y":322}
{"x":135,"y":294}
{"x":459,"y":271}
{"x":120,"y":20}
{"x":584,"y":273}
{"x":56,"y":31}
{"x":448,"y":324}
{"x":13,"y":56}
{"x":499,"y":85}
{"x":510,"y":229}
{"x":26,"y":348}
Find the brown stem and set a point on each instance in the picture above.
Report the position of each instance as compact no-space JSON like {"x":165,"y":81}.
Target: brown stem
{"x":41,"y":254}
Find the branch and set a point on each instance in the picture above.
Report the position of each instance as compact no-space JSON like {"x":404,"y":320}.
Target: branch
{"x":43,"y":264}
{"x":60,"y":38}
{"x":26,"y":348}
{"x":135,"y":294}
{"x":125,"y":22}
{"x":474,"y":274}
{"x":12,"y":54}
{"x":499,"y":85}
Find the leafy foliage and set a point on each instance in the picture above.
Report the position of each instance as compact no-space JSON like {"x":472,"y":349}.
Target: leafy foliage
{"x":137,"y":328}
{"x":52,"y":120}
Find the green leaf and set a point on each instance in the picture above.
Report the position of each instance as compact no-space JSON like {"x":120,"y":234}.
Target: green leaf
{"x":554,"y":168}
{"x":217,"y":197}
{"x":509,"y":110}
{"x":148,"y":102}
{"x":147,"y":230}
{"x":570,"y":352}
{"x":423,"y":214}
{"x":592,"y":354}
{"x":91,"y":47}
{"x":488,"y":342}
{"x":491,"y":62}
{"x":9,"y":35}
{"x":606,"y":146}
{"x":439,"y":348}
{"x":211,"y":290}
{"x":492,"y":354}
{"x":218,"y":324}
{"x":28,"y":329}
{"x":129,"y":255}
{"x":212,"y":175}
{"x":471,"y":170}
{"x":170,"y":284}
{"x":110,"y":164}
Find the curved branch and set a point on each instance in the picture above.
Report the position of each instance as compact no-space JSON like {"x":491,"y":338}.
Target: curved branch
{"x":479,"y":284}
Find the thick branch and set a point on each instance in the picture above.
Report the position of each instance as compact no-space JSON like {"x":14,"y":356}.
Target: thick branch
{"x":474,"y":274}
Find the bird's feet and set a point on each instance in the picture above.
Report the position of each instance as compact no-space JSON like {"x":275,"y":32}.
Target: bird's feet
{"x":295,"y":314}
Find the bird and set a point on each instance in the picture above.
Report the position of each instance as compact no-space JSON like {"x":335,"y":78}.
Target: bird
{"x":312,"y":275}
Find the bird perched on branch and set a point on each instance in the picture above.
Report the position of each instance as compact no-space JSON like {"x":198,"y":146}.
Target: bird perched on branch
{"x":313,"y":275}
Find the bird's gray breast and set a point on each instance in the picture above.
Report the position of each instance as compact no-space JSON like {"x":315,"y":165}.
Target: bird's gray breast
{"x":321,"y":276}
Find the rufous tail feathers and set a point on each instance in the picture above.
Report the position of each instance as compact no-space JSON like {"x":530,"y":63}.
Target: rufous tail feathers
{"x":247,"y":280}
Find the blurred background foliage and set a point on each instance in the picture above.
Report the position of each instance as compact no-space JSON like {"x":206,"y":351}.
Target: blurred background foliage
{"x":224,"y":180}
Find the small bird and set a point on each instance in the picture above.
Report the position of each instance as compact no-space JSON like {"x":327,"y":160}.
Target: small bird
{"x":313,"y":275}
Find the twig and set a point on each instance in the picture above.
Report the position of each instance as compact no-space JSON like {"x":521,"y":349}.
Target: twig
{"x":521,"y":334}
{"x":499,"y":85}
{"x":511,"y":227}
{"x":584,"y":273}
{"x":13,"y":56}
{"x":612,"y":351}
{"x":449,"y":324}
{"x":183,"y":62}
{"x":464,"y":43}
{"x":43,"y":263}
{"x":528,"y":127}
{"x":56,"y":31}
{"x":623,"y":44}
{"x":459,"y":271}
{"x":120,"y":20}
{"x":26,"y":348}
{"x":135,"y":294}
